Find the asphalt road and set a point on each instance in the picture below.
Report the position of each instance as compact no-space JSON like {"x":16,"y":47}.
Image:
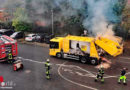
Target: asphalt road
{"x":66,"y":74}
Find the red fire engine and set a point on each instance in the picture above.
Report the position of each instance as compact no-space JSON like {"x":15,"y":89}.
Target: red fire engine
{"x":8,"y":48}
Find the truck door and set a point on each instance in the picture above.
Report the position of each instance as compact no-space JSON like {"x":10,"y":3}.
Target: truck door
{"x":66,"y":45}
{"x":54,"y":48}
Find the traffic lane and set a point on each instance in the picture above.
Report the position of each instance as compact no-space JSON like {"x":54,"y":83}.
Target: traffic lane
{"x":37,"y":53}
{"x":115,"y":66}
{"x":33,"y":52}
{"x":32,"y":77}
{"x":113,"y":70}
{"x":72,"y":73}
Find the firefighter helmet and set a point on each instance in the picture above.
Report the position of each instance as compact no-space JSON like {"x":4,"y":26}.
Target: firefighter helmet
{"x":48,"y":60}
{"x":125,"y":68}
{"x":102,"y":66}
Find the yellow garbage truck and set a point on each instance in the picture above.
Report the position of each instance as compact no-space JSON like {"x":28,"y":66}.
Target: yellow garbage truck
{"x":85,"y":49}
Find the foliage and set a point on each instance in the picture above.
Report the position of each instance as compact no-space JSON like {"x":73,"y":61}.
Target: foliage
{"x":21,"y":21}
{"x":72,"y":25}
{"x":126,"y":20}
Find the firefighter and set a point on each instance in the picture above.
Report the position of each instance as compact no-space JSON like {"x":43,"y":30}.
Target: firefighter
{"x":10,"y":57}
{"x":47,"y":65}
{"x":122,"y":76}
{"x":100,"y":74}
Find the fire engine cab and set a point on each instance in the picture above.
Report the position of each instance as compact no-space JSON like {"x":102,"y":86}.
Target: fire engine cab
{"x":8,"y":48}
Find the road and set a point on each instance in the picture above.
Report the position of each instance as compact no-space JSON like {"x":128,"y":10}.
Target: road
{"x":66,"y":74}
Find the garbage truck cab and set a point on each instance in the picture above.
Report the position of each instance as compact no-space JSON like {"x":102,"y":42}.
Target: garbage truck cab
{"x":56,"y":46}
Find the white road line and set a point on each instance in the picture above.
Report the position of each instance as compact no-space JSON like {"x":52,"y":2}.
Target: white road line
{"x":90,"y":73}
{"x":124,"y":62}
{"x":73,"y":81}
{"x":125,"y":57}
{"x":78,"y":68}
{"x":31,"y":60}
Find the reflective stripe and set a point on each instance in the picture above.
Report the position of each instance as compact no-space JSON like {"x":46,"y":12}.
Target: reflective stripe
{"x":9,"y":56}
{"x":122,"y":77}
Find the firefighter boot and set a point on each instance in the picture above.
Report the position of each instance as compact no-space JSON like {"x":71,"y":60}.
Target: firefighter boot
{"x":96,"y":79}
{"x":102,"y":80}
{"x":48,"y":77}
{"x":119,"y":81}
{"x":124,"y":82}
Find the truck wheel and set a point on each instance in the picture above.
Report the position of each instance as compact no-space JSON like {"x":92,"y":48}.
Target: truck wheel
{"x":94,"y":61}
{"x":83,"y":60}
{"x":59,"y":55}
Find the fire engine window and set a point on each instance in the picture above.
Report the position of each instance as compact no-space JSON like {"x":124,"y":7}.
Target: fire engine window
{"x":54,"y":45}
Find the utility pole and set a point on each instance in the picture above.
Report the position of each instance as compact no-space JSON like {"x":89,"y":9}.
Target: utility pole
{"x":52,"y":23}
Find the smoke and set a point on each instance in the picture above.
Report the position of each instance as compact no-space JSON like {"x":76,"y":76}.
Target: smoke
{"x":97,"y":15}
{"x":100,"y":14}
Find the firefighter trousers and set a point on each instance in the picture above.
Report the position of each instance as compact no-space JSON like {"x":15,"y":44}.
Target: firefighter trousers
{"x":122,"y":77}
{"x":100,"y":76}
{"x":47,"y":74}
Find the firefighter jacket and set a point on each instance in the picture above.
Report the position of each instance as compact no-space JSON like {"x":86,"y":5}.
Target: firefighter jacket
{"x":123,"y":72}
{"x":47,"y":65}
{"x":101,"y":71}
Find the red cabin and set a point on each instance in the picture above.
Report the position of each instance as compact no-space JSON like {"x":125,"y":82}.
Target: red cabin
{"x":7,"y":45}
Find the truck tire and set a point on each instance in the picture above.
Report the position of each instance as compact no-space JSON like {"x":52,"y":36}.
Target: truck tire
{"x":83,"y":60}
{"x":59,"y":55}
{"x":94,"y":61}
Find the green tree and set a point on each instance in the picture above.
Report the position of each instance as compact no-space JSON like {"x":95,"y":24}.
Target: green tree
{"x":126,"y":20}
{"x":21,"y":21}
{"x":73,"y":25}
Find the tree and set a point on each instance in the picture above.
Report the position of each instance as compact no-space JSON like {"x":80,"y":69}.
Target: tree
{"x":21,"y":21}
{"x":126,"y":20}
{"x":73,"y":25}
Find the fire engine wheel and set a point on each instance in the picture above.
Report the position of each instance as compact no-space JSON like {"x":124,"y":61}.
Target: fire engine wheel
{"x":15,"y":68}
{"x":94,"y":61}
{"x":21,"y":66}
{"x":83,"y":60}
{"x":59,"y":55}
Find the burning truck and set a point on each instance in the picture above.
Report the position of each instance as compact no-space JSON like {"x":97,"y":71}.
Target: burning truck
{"x":8,"y":48}
{"x":85,"y":49}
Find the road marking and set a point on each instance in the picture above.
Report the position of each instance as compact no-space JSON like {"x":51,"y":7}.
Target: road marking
{"x":73,"y":81}
{"x":125,"y":57}
{"x":78,"y":68}
{"x":89,"y":75}
{"x":124,"y":62}
{"x":31,"y":60}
